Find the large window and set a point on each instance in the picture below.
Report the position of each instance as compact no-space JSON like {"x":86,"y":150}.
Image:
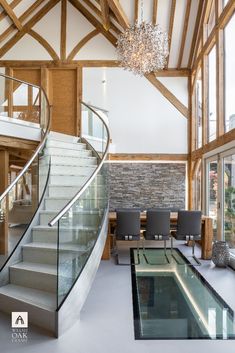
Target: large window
{"x":212,"y":94}
{"x":225,"y":2}
{"x":197,"y":186}
{"x":229,"y":200}
{"x":212,"y":192}
{"x":198,"y":111}
{"x":229,"y":46}
{"x":211,"y":19}
{"x":220,"y":200}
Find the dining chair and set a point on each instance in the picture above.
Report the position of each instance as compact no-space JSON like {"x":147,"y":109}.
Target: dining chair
{"x":157,"y":229}
{"x":127,"y":229}
{"x":189,"y":228}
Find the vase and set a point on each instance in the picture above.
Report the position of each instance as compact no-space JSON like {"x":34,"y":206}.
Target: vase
{"x":220,"y":254}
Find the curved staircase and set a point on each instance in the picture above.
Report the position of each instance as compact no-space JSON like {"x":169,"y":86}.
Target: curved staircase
{"x":43,"y":273}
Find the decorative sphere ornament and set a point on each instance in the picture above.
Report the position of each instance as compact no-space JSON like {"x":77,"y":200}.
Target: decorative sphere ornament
{"x":143,"y":48}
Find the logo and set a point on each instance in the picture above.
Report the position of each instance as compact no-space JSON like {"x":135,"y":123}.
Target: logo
{"x":19,"y":324}
{"x":19,"y":320}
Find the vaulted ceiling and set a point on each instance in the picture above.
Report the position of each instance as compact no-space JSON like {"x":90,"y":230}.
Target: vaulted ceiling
{"x":180,"y":18}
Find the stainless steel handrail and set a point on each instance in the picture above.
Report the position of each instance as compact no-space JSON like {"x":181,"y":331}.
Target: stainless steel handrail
{"x":40,"y":146}
{"x":92,"y":177}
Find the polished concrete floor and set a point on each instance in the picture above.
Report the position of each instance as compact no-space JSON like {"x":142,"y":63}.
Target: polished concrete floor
{"x":106,"y":322}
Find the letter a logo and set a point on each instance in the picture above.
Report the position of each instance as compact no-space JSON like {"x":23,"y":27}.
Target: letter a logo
{"x":19,"y":319}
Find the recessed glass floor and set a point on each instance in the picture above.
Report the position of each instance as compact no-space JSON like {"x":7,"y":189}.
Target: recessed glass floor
{"x":173,"y":301}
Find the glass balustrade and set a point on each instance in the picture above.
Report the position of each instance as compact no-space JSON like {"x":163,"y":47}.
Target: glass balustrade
{"x":18,"y":205}
{"x":19,"y":100}
{"x":80,"y":226}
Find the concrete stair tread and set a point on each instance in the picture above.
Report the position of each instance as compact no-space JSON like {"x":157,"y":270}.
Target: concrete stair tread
{"x":57,"y":140}
{"x":81,"y":211}
{"x":36,"y":267}
{"x":66,"y":198}
{"x":60,"y":152}
{"x":72,"y":158}
{"x":69,"y":175}
{"x":71,"y":162}
{"x":58,"y":198}
{"x":53,"y":246}
{"x":39,"y":298}
{"x":75,"y":186}
{"x":63,"y":137}
{"x":69,"y":146}
{"x":48,"y":228}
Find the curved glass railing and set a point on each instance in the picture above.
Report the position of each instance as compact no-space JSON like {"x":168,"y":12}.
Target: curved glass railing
{"x":80,"y":222}
{"x":22,"y":102}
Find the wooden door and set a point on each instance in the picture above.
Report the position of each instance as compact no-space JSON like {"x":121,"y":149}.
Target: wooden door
{"x":63,"y":96}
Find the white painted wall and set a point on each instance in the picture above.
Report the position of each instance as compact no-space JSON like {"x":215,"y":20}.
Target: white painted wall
{"x":141,"y":120}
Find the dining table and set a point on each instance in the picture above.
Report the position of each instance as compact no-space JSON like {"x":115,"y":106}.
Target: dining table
{"x":205,"y":242}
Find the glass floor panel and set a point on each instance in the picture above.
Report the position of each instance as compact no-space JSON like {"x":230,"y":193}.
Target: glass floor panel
{"x":171,"y":300}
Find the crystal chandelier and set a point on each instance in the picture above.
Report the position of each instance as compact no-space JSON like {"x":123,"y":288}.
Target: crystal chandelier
{"x":143,"y":48}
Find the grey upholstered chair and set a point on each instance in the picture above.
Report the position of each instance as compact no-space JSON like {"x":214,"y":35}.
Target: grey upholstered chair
{"x":189,"y":228}
{"x":128,"y":228}
{"x":157,"y":228}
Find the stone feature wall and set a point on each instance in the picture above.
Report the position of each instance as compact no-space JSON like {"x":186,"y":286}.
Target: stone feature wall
{"x":147,"y":185}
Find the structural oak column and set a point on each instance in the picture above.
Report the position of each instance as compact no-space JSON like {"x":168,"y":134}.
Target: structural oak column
{"x":4,"y":163}
{"x":9,"y":92}
{"x":78,"y":120}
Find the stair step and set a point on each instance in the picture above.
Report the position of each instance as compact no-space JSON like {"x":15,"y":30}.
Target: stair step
{"x":66,"y":145}
{"x":71,"y":170}
{"x":72,"y":190}
{"x":53,"y":151}
{"x":57,"y":203}
{"x":71,"y":161}
{"x":80,"y":217}
{"x":66,"y":180}
{"x":53,"y":135}
{"x":46,"y":234}
{"x":47,"y":252}
{"x":41,"y":299}
{"x":34,"y":275}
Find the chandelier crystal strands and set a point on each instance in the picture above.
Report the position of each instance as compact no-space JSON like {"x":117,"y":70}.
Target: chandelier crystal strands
{"x":143,"y":47}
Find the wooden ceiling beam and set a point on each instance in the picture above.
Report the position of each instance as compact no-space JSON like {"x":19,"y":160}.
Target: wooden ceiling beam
{"x":93,"y":7}
{"x":105,"y":14}
{"x":13,"y":4}
{"x":22,"y":18}
{"x":7,"y":8}
{"x":27,"y":27}
{"x":168,"y":95}
{"x":44,"y":43}
{"x":136,"y":10}
{"x":171,"y":24}
{"x":193,"y":44}
{"x":184,"y":34}
{"x":172,"y":73}
{"x":81,"y":43}
{"x":99,"y":14}
{"x":200,"y":31}
{"x":154,"y":17}
{"x":63,"y":29}
{"x":117,"y":8}
{"x":93,"y":20}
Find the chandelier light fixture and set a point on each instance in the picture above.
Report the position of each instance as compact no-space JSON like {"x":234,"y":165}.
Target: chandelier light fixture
{"x":143,"y":47}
